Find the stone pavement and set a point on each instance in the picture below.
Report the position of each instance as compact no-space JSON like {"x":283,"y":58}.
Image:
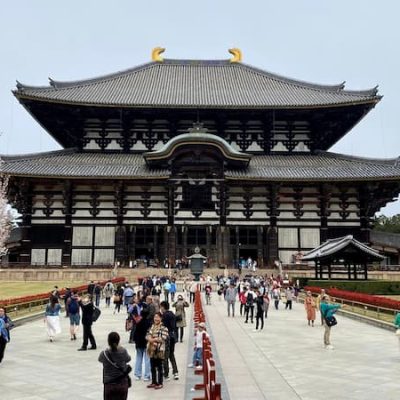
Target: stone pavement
{"x":35,"y":369}
{"x":287,"y":360}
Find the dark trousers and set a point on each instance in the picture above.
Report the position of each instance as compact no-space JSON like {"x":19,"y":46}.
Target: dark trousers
{"x":116,"y":391}
{"x":108,"y":299}
{"x":260,"y":318}
{"x":249,"y":310}
{"x":88,"y":336}
{"x":179,"y":334}
{"x":156,"y":371}
{"x":3,"y":344}
{"x":242,"y":308}
{"x":288,"y":304}
{"x":276,"y":302}
{"x":191,"y":297}
{"x":170,"y":356}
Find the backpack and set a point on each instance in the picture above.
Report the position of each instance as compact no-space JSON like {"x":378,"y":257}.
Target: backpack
{"x":249,"y":299}
{"x":73,"y":306}
{"x":96,"y":314}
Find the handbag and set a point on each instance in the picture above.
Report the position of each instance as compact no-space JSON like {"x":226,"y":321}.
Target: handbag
{"x":116,"y":298}
{"x":330,"y":321}
{"x":125,"y":372}
{"x":128,"y":324}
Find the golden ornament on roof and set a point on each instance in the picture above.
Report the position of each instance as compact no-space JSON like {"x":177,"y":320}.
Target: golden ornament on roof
{"x":156,"y":54}
{"x":237,"y":55}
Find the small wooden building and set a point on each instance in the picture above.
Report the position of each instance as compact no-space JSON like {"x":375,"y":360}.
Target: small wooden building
{"x":342,"y":256}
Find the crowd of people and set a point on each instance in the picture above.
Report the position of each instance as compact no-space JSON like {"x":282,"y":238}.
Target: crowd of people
{"x":156,"y":320}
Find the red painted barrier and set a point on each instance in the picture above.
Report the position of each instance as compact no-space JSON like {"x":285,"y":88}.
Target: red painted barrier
{"x":212,"y":390}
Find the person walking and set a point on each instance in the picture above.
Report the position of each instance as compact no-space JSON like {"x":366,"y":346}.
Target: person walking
{"x":180,"y":315}
{"x":230,"y":298}
{"x":142,"y":363}
{"x":166,"y":289}
{"x":73,"y":313}
{"x":310,"y":306}
{"x":259,"y":311}
{"x":117,"y":300}
{"x":289,"y":298}
{"x":172,"y":290}
{"x":52,"y":318}
{"x":192,"y":291}
{"x":242,"y":299}
{"x":5,"y":326}
{"x":108,"y":291}
{"x":396,"y":324}
{"x":327,"y":311}
{"x":128,"y":296}
{"x":90,"y":289}
{"x":156,"y":338}
{"x":97,"y":293}
{"x":266,"y":303}
{"x":319,"y":303}
{"x":249,"y":309}
{"x":115,"y":369}
{"x":276,"y":295}
{"x":87,"y":322}
{"x":169,"y":321}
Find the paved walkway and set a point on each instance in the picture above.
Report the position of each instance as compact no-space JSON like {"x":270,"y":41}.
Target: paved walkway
{"x":35,"y":369}
{"x":287,"y":360}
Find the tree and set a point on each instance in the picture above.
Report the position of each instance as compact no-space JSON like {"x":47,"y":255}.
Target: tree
{"x":5,"y":220}
{"x":387,"y":224}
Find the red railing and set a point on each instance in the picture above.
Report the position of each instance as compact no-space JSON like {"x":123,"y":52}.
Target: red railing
{"x":210,"y":387}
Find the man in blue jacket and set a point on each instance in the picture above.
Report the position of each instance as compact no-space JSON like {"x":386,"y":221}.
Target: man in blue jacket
{"x":327,"y":310}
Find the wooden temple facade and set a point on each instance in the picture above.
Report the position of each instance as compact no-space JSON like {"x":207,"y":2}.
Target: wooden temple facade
{"x":174,"y":154}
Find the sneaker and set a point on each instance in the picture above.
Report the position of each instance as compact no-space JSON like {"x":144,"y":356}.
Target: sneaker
{"x":190,"y":366}
{"x":176,"y":377}
{"x":167,"y":378}
{"x":199,"y":367}
{"x":151,"y":386}
{"x":158,"y":387}
{"x":329,"y":347}
{"x":82,"y":349}
{"x":92,"y":348}
{"x":137,"y":378}
{"x":146,"y":379}
{"x":255,"y":330}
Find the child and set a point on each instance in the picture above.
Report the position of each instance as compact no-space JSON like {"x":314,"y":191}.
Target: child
{"x":198,"y":346}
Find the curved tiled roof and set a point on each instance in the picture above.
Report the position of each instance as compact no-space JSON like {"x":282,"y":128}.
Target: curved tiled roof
{"x":196,"y":84}
{"x":334,"y":246}
{"x":307,"y":167}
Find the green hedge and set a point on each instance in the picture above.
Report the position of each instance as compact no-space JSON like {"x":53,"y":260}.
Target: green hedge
{"x":369,"y":287}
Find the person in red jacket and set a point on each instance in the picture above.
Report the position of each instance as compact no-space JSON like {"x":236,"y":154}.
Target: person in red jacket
{"x":242,"y":299}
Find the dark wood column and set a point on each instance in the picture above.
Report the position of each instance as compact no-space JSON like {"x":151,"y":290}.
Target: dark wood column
{"x":68,"y":204}
{"x":272,"y":233}
{"x":121,"y":245}
{"x":24,"y":206}
{"x":223,"y":240}
{"x":324,"y":199}
{"x":260,"y":252}
{"x":171,"y":229}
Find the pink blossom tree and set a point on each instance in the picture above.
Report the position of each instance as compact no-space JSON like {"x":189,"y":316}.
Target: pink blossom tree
{"x":5,"y":222}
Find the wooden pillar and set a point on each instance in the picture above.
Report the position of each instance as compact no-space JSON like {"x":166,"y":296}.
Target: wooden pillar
{"x":121,"y":248}
{"x":324,"y":198}
{"x":316,"y":269}
{"x":66,"y":258}
{"x":208,"y":240}
{"x":329,"y":271}
{"x":24,"y":206}
{"x":349,"y":271}
{"x":272,"y":232}
{"x":237,"y":255}
{"x":355,"y":270}
{"x":260,"y":253}
{"x":170,"y":248}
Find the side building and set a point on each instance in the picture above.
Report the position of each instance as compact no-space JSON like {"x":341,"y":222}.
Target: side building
{"x":174,"y":154}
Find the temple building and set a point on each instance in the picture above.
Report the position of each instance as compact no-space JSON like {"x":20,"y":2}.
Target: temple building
{"x":174,"y":154}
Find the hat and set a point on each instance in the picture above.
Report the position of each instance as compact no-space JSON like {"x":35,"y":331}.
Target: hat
{"x":202,"y":325}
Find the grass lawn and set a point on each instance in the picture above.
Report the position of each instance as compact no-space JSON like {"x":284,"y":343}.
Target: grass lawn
{"x":14,"y":289}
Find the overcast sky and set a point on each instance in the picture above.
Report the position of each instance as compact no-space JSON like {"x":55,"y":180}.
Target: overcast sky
{"x":314,"y":40}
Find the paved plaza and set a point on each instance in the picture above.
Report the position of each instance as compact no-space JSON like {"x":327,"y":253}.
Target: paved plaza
{"x":286,"y":361}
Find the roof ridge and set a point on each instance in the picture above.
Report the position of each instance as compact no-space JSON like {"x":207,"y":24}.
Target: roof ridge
{"x":54,"y":84}
{"x":29,"y":156}
{"x":349,"y":157}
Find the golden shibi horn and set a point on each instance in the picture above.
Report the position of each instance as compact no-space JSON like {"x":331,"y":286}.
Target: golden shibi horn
{"x":156,"y":54}
{"x":237,"y":55}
